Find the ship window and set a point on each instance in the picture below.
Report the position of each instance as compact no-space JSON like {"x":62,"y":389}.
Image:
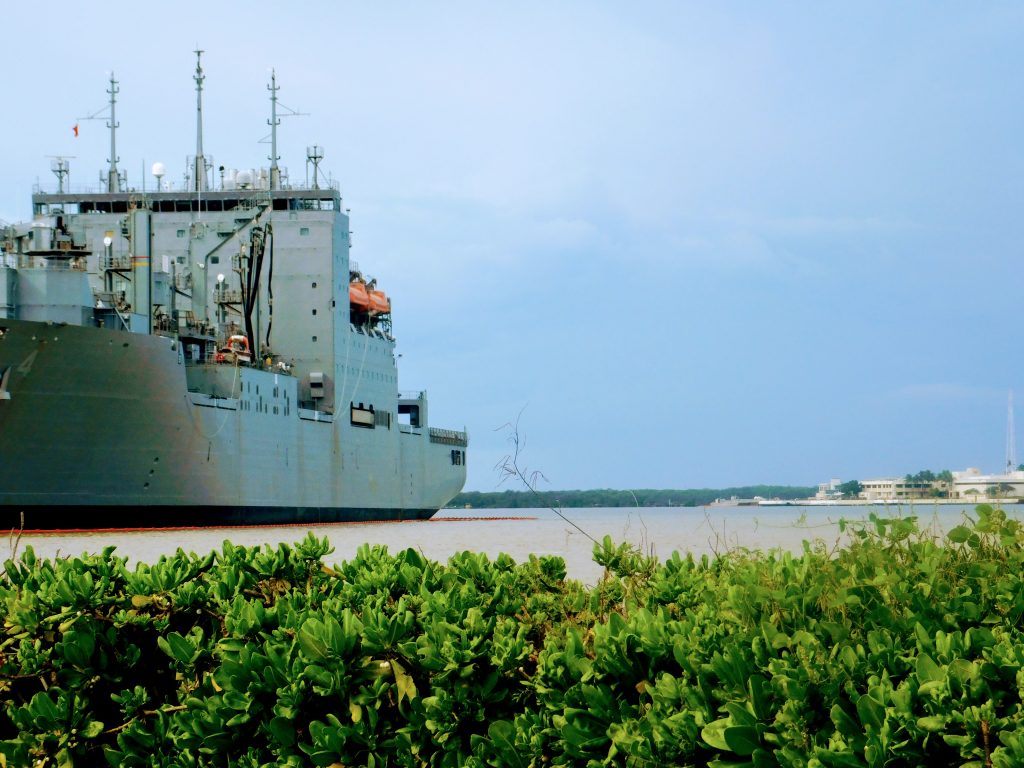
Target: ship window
{"x":314,"y":338}
{"x":181,"y":233}
{"x":314,"y":285}
{"x":215,"y":259}
{"x":314,"y":311}
{"x":303,"y":231}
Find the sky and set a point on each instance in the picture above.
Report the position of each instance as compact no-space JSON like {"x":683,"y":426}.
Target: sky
{"x":678,"y":244}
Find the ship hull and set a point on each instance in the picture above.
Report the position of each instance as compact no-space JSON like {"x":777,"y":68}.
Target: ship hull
{"x":98,"y":429}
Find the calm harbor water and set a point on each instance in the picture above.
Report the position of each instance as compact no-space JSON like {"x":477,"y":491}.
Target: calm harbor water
{"x":521,"y":532}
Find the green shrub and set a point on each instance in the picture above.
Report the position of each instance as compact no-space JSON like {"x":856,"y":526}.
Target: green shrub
{"x":899,"y":648}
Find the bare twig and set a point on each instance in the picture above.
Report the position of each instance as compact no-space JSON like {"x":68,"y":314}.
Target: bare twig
{"x":15,"y":539}
{"x":509,"y":468}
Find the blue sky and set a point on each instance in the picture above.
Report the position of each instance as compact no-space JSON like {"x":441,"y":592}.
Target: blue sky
{"x":691,"y":244}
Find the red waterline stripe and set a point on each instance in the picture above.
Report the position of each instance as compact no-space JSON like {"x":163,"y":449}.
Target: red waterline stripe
{"x":142,"y":529}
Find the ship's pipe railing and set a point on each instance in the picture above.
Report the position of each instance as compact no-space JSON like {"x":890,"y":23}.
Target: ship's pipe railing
{"x":36,"y":261}
{"x":227,"y":297}
{"x":448,"y":437}
{"x":122,"y":263}
{"x":168,"y":187}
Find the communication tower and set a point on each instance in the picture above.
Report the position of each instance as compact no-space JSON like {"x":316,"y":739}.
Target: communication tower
{"x":1011,"y":437}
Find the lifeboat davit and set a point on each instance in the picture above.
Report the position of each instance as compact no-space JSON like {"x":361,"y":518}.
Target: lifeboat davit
{"x":379,"y":303}
{"x":358,"y":296}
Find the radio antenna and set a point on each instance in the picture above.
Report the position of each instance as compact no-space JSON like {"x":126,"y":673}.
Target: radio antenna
{"x":273,"y":122}
{"x":199,"y":168}
{"x":113,"y":177}
{"x":1011,"y":437}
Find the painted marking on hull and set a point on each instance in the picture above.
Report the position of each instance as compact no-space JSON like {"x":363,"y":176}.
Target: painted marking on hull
{"x":27,"y":364}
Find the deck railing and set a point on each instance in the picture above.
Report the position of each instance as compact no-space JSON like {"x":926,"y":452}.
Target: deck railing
{"x":448,"y":437}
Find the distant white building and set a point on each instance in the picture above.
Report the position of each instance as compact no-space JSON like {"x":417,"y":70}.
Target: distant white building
{"x":829,"y":490}
{"x":894,"y":489}
{"x":972,"y":484}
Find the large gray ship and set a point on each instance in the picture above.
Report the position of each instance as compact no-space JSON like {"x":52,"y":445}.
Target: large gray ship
{"x":206,"y":355}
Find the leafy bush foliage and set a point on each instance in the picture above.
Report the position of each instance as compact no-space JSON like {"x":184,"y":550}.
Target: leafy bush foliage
{"x":898,"y":648}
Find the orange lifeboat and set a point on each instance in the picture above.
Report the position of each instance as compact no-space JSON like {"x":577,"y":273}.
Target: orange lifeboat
{"x":236,"y":350}
{"x":379,"y":303}
{"x":358,"y":296}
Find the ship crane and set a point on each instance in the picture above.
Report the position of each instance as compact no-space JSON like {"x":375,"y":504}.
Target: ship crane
{"x":249,"y":267}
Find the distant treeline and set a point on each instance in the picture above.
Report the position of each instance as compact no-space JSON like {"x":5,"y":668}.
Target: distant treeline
{"x":604,"y":497}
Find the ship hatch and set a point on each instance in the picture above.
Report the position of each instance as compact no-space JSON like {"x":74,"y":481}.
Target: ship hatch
{"x":316,"y":384}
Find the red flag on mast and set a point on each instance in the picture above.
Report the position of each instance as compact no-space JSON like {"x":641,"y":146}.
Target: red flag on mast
{"x":75,"y":129}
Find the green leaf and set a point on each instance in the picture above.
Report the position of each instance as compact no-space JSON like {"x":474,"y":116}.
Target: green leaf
{"x":759,"y":697}
{"x":740,"y":714}
{"x":502,"y":734}
{"x":928,"y":671}
{"x":845,"y":759}
{"x":311,"y":639}
{"x":959,"y":535}
{"x":713,"y":734}
{"x":845,"y":724}
{"x":92,"y":730}
{"x":283,"y":730}
{"x":932,"y":724}
{"x":404,"y":683}
{"x":742,"y":739}
{"x":871,"y":712}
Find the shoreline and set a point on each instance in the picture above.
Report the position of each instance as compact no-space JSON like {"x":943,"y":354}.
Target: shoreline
{"x":881,"y":502}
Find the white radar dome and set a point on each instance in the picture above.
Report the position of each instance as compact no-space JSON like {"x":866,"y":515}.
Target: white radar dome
{"x":159,"y":169}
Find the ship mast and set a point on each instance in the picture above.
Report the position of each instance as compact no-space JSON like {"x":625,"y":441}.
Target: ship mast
{"x":274,"y":121}
{"x":199,"y":169}
{"x":113,"y":179}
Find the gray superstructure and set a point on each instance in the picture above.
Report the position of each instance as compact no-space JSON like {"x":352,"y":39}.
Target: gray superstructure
{"x":204,"y":356}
